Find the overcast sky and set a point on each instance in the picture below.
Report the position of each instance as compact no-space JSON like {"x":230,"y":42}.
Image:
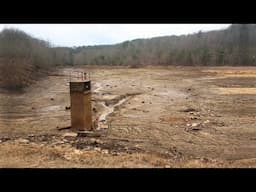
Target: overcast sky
{"x":95,"y":34}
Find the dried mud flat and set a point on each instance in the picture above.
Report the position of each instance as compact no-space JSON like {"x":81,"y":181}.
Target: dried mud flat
{"x":151,"y":117}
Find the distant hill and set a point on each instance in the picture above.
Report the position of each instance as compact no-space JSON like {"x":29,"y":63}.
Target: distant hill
{"x":235,"y":45}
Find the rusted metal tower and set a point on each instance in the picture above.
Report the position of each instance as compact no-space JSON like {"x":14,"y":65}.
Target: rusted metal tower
{"x":80,"y":100}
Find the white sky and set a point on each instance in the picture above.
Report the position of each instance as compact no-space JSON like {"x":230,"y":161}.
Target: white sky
{"x":96,"y":34}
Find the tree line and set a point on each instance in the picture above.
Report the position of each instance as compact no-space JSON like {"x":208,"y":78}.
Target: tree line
{"x":235,"y":45}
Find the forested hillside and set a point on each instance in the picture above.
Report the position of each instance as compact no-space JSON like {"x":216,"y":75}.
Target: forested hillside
{"x":235,"y":45}
{"x":23,"y":58}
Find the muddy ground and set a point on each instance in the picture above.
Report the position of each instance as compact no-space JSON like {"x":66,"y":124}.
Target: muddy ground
{"x":146,"y":117}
